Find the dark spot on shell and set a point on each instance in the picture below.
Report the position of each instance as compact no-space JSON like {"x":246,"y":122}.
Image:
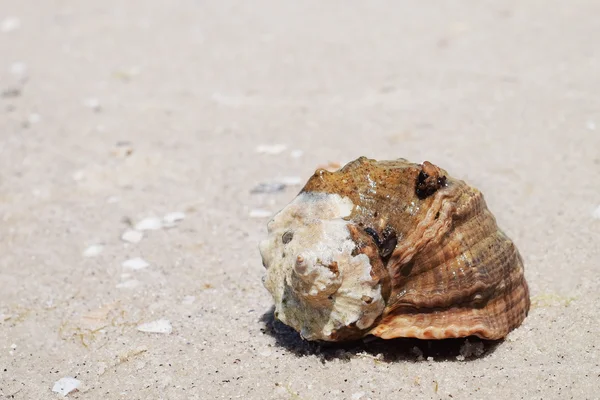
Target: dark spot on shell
{"x":388,"y":242}
{"x":287,"y":237}
{"x":373,"y":233}
{"x":405,"y":270}
{"x":367,"y":299}
{"x":429,"y":180}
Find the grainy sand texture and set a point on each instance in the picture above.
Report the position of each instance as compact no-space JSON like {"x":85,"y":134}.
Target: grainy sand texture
{"x":144,"y":144}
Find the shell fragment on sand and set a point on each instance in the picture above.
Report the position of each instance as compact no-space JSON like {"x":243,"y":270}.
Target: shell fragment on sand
{"x":159,"y":326}
{"x":149,"y":224}
{"x":66,"y":385}
{"x":132,"y":236}
{"x":93,"y":250}
{"x":136,"y":263}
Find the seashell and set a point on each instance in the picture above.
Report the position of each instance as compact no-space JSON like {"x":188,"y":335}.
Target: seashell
{"x":392,"y":249}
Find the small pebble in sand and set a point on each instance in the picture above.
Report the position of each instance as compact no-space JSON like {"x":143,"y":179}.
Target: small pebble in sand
{"x":132,"y":236}
{"x":469,"y":349}
{"x":591,"y":125}
{"x":66,"y":385}
{"x":172,"y":218}
{"x":93,"y":250}
{"x":158,"y":326}
{"x":135,"y":264}
{"x":418,"y":353}
{"x":10,"y":24}
{"x":129,"y":284}
{"x":358,"y":395}
{"x":260,"y":213}
{"x":149,"y":224}
{"x":596,"y":213}
{"x":271,"y":148}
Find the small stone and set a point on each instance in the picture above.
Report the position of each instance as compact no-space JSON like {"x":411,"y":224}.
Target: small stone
{"x":135,"y":264}
{"x":132,"y":236}
{"x":66,"y":385}
{"x":460,"y":357}
{"x":149,"y":224}
{"x":271,"y":148}
{"x":260,"y":213}
{"x":469,"y":349}
{"x":418,"y":353}
{"x":188,"y":300}
{"x":358,"y":395}
{"x":10,"y":24}
{"x":158,"y":326}
{"x":93,"y":250}
{"x":591,"y":125}
{"x":172,"y":218}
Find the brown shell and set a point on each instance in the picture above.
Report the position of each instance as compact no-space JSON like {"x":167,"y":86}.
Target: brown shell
{"x":445,"y":267}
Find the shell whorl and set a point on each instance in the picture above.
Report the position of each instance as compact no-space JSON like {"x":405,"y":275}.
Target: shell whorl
{"x":436,"y":262}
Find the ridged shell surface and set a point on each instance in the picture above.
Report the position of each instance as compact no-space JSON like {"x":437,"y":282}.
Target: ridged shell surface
{"x":392,"y":249}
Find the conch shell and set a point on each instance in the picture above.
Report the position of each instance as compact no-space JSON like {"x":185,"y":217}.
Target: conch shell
{"x":392,"y":249}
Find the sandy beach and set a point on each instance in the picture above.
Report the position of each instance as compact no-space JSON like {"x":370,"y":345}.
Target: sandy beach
{"x":144,"y":146}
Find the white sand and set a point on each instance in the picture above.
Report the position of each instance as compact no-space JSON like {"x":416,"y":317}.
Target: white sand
{"x":503,"y":94}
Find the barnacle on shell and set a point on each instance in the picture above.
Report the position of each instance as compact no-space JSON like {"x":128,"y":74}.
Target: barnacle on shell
{"x":392,"y":249}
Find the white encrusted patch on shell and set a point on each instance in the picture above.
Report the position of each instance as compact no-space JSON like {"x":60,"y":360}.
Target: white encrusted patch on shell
{"x":318,"y":286}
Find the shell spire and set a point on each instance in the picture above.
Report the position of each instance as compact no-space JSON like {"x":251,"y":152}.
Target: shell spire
{"x":392,"y":249}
